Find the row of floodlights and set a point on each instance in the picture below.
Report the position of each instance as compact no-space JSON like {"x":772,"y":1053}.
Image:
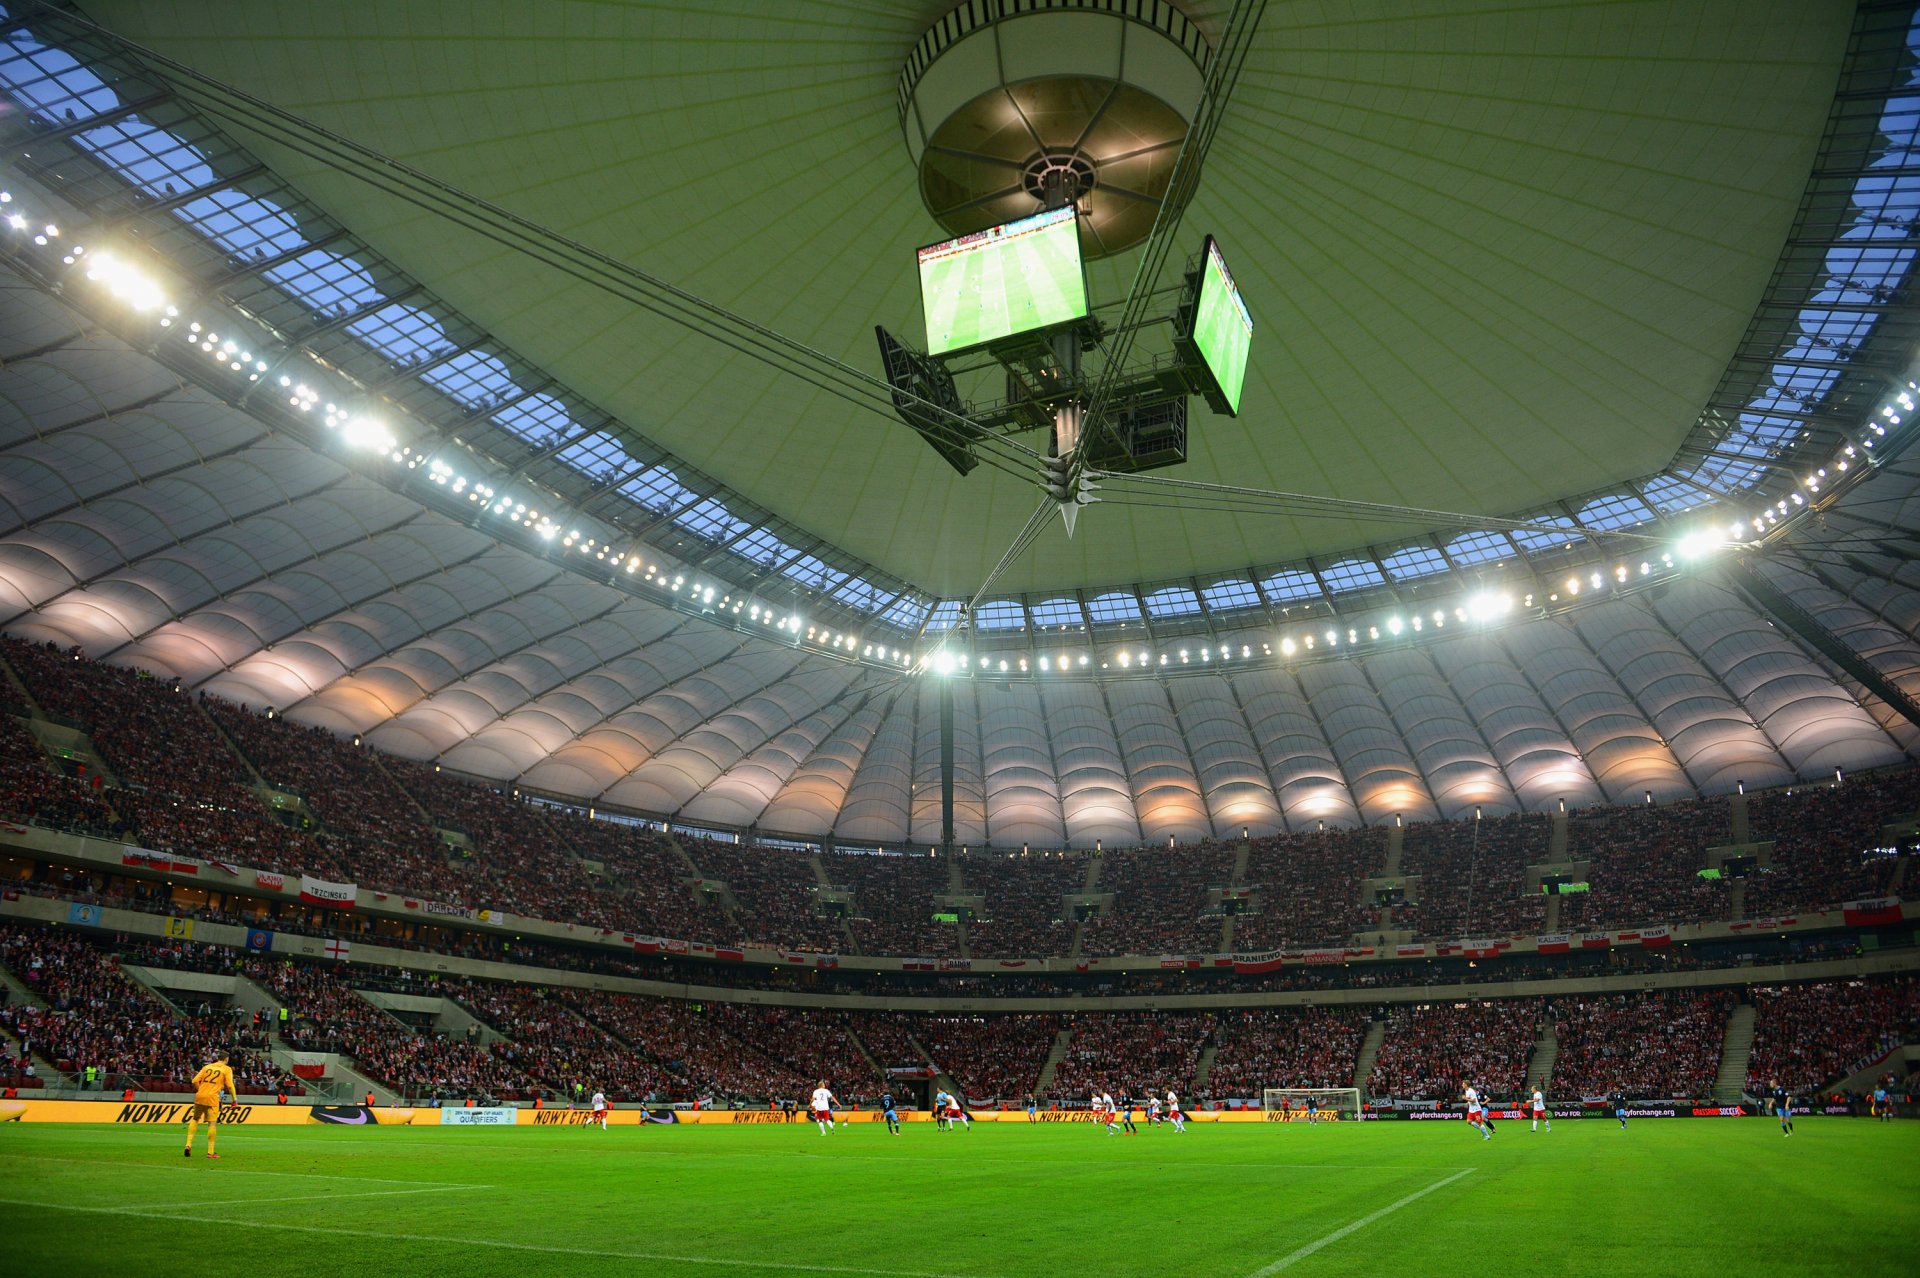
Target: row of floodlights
{"x":140,"y":292}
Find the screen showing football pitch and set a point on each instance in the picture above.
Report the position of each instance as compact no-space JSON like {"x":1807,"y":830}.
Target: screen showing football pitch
{"x":1222,"y":328}
{"x":1004,"y":280}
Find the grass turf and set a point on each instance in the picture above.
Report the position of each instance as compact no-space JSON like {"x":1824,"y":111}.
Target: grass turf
{"x":1228,"y":1201}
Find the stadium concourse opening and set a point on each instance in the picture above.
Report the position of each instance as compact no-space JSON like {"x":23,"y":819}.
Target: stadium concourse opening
{"x":511,"y":757}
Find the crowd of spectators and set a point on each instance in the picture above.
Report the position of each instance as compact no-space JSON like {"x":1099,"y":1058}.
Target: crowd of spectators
{"x":1825,"y":840}
{"x":1135,"y":1052}
{"x":95,"y":1017}
{"x":1285,"y":1047}
{"x":514,"y":858}
{"x":1158,"y":898}
{"x":184,"y":788}
{"x":889,"y":1037}
{"x":33,"y":790}
{"x":989,"y":1058}
{"x":655,"y":879}
{"x":1644,"y":864}
{"x":777,"y":892}
{"x":388,"y":844}
{"x":550,"y":1043}
{"x":1810,"y":1036}
{"x":893,"y":904}
{"x":1648,"y":1045}
{"x":1473,"y":876}
{"x":1024,"y":911}
{"x":329,"y":1016}
{"x":1432,"y":1050}
{"x":1309,"y":888}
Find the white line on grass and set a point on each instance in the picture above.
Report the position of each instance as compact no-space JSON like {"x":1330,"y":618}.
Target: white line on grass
{"x":124,"y":1165}
{"x":329,"y":1196}
{"x":1291,"y":1258}
{"x":469,"y":1241}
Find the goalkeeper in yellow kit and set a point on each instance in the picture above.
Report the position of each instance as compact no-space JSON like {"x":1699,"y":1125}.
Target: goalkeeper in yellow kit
{"x":207,"y":1086}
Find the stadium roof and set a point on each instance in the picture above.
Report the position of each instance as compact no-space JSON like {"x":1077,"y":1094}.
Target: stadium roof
{"x":1587,"y":266}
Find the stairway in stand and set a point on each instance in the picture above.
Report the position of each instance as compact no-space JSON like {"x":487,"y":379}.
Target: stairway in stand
{"x":1055,"y":1054}
{"x":1736,"y":1048}
{"x":1369,"y":1053}
{"x":1203,"y":1068}
{"x":1546,"y":1053}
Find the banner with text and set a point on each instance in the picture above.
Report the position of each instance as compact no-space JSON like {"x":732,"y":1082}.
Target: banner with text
{"x":335,"y":896}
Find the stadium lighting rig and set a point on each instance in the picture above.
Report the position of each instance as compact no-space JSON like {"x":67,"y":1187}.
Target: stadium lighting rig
{"x":232,"y":346}
{"x":1044,"y":137}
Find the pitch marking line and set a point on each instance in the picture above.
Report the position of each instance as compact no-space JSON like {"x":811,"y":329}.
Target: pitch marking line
{"x":307,"y":1198}
{"x":234,"y":1171}
{"x":467,"y":1241}
{"x":1293,"y":1257}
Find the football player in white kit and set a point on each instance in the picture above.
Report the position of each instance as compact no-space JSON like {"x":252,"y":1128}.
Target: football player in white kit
{"x":1540,"y":1111}
{"x":1153,"y":1110}
{"x":823,"y":1103}
{"x":1476,"y":1111}
{"x":1174,"y":1116}
{"x":599,"y":1111}
{"x":956,"y":1112}
{"x":1103,"y":1104}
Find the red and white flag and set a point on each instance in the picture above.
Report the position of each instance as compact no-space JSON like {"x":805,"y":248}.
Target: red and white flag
{"x":268,"y":879}
{"x":1655,"y":937}
{"x":226,"y":867}
{"x":340,"y":950}
{"x":1884,"y":909}
{"x":335,"y":896}
{"x":1554,"y":943}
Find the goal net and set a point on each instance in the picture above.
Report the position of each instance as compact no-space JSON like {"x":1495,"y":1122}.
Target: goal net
{"x":1301,"y":1104}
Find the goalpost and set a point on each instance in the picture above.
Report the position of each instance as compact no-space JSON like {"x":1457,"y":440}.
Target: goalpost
{"x":1290,"y":1104}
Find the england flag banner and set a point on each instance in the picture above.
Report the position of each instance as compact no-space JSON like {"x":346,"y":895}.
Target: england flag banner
{"x":335,"y":896}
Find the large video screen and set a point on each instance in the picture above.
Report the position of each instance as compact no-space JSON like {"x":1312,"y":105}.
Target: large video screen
{"x":1222,"y":328}
{"x":1004,"y":280}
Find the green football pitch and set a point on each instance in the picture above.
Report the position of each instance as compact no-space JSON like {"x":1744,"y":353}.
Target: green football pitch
{"x":1714,"y":1198}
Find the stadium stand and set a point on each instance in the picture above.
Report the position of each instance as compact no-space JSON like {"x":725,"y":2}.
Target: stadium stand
{"x":1285,"y":1047}
{"x":185,"y":787}
{"x":1473,"y":876}
{"x":990,"y":1058}
{"x":1157,"y":901}
{"x":1432,"y":1050}
{"x":1023,"y":902}
{"x":1309,"y":885}
{"x":1131,"y":1051}
{"x":94,"y":1016}
{"x":776,"y":889}
{"x":1654,"y":1044}
{"x":1810,"y":1036}
{"x":893,"y":902}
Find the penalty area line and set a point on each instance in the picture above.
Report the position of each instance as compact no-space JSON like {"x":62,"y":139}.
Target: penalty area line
{"x":719,"y":1262}
{"x":1293,"y":1257}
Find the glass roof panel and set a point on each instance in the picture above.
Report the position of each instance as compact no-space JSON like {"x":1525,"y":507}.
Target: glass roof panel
{"x":474,"y":379}
{"x":1352,"y":574}
{"x":1232,"y":593}
{"x":1172,"y":601}
{"x":1292,"y":585}
{"x":1114,"y":606}
{"x":1000,"y":614}
{"x":1479,"y":548}
{"x":538,"y":419}
{"x":1411,"y":562}
{"x":1059,"y":611}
